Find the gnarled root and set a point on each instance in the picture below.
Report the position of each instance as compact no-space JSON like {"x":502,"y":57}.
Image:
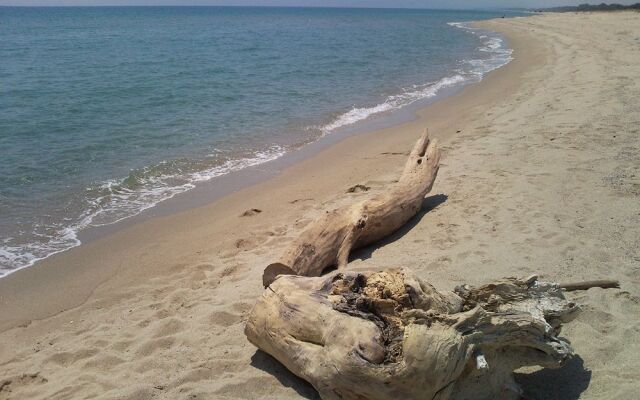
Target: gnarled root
{"x":388,"y":335}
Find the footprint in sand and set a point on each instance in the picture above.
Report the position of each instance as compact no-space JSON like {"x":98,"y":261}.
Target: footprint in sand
{"x":280,"y":231}
{"x":67,"y":358}
{"x":358,"y":189}
{"x":8,"y":385}
{"x":232,"y":273}
{"x":168,"y":328}
{"x":228,"y":270}
{"x":151,"y":346}
{"x":299,"y":201}
{"x":160,"y":314}
{"x":242,"y":307}
{"x":251,"y":212}
{"x":104,"y":362}
{"x":246,"y":244}
{"x":122,"y":346}
{"x":223,"y":318}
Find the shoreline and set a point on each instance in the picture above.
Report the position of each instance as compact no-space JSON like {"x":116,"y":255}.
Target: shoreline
{"x":180,"y":198}
{"x":411,"y":117}
{"x":218,"y":187}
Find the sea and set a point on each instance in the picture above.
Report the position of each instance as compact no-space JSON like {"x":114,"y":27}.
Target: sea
{"x":107,"y":111}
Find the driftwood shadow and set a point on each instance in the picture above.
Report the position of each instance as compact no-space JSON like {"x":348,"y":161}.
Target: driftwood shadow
{"x":265,"y":362}
{"x":566,"y":383}
{"x":429,"y":203}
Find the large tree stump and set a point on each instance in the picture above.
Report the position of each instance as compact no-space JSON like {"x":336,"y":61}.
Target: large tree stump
{"x":388,"y":335}
{"x":329,"y":240}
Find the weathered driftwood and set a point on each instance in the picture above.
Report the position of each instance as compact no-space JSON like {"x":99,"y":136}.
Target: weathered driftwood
{"x":329,"y":240}
{"x":388,"y":335}
{"x":604,"y":283}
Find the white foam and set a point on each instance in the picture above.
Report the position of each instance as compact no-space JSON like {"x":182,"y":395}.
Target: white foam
{"x":118,"y":203}
{"x":356,"y":114}
{"x":492,"y":43}
{"x":417,"y":92}
{"x":476,"y":68}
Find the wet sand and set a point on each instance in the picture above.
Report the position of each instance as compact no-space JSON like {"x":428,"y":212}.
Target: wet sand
{"x":538,"y":176}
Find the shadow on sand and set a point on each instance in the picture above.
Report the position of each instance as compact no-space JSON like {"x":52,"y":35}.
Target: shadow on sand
{"x":265,"y":362}
{"x":428,"y":204}
{"x":566,"y":383}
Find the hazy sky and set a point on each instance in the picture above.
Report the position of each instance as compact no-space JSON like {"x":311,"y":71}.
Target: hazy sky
{"x":326,"y":3}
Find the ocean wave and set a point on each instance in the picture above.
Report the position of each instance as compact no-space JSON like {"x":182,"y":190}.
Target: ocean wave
{"x":492,"y":43}
{"x":143,"y":189}
{"x":470,"y":71}
{"x":114,"y":200}
{"x":393,"y":102}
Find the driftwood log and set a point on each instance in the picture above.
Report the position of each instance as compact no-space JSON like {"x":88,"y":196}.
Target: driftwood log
{"x":603,"y":283}
{"x":329,"y":240}
{"x":388,"y":335}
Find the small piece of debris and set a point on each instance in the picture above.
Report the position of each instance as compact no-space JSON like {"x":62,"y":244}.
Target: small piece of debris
{"x":251,"y":212}
{"x":358,"y":189}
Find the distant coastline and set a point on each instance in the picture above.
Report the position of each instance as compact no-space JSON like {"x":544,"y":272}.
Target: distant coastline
{"x":590,"y":7}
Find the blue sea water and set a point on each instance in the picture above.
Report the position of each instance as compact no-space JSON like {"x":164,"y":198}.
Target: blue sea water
{"x":105,"y":112}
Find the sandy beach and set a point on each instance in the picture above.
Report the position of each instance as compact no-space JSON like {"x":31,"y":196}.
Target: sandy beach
{"x":538,"y":176}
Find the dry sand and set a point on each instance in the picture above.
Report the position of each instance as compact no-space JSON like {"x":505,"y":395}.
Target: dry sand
{"x":542,"y":177}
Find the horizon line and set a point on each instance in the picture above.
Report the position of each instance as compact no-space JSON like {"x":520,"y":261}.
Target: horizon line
{"x":261,"y":6}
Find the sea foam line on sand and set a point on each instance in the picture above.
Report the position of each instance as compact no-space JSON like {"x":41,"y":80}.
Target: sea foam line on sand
{"x":122,"y":203}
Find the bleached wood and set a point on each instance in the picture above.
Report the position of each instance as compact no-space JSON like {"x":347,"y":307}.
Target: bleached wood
{"x":388,"y":335}
{"x":328,"y":241}
{"x":604,"y":283}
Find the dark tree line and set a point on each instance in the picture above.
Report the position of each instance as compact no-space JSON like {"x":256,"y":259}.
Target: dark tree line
{"x":594,"y":7}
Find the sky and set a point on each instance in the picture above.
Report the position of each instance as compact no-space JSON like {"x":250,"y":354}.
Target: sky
{"x":325,"y":3}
